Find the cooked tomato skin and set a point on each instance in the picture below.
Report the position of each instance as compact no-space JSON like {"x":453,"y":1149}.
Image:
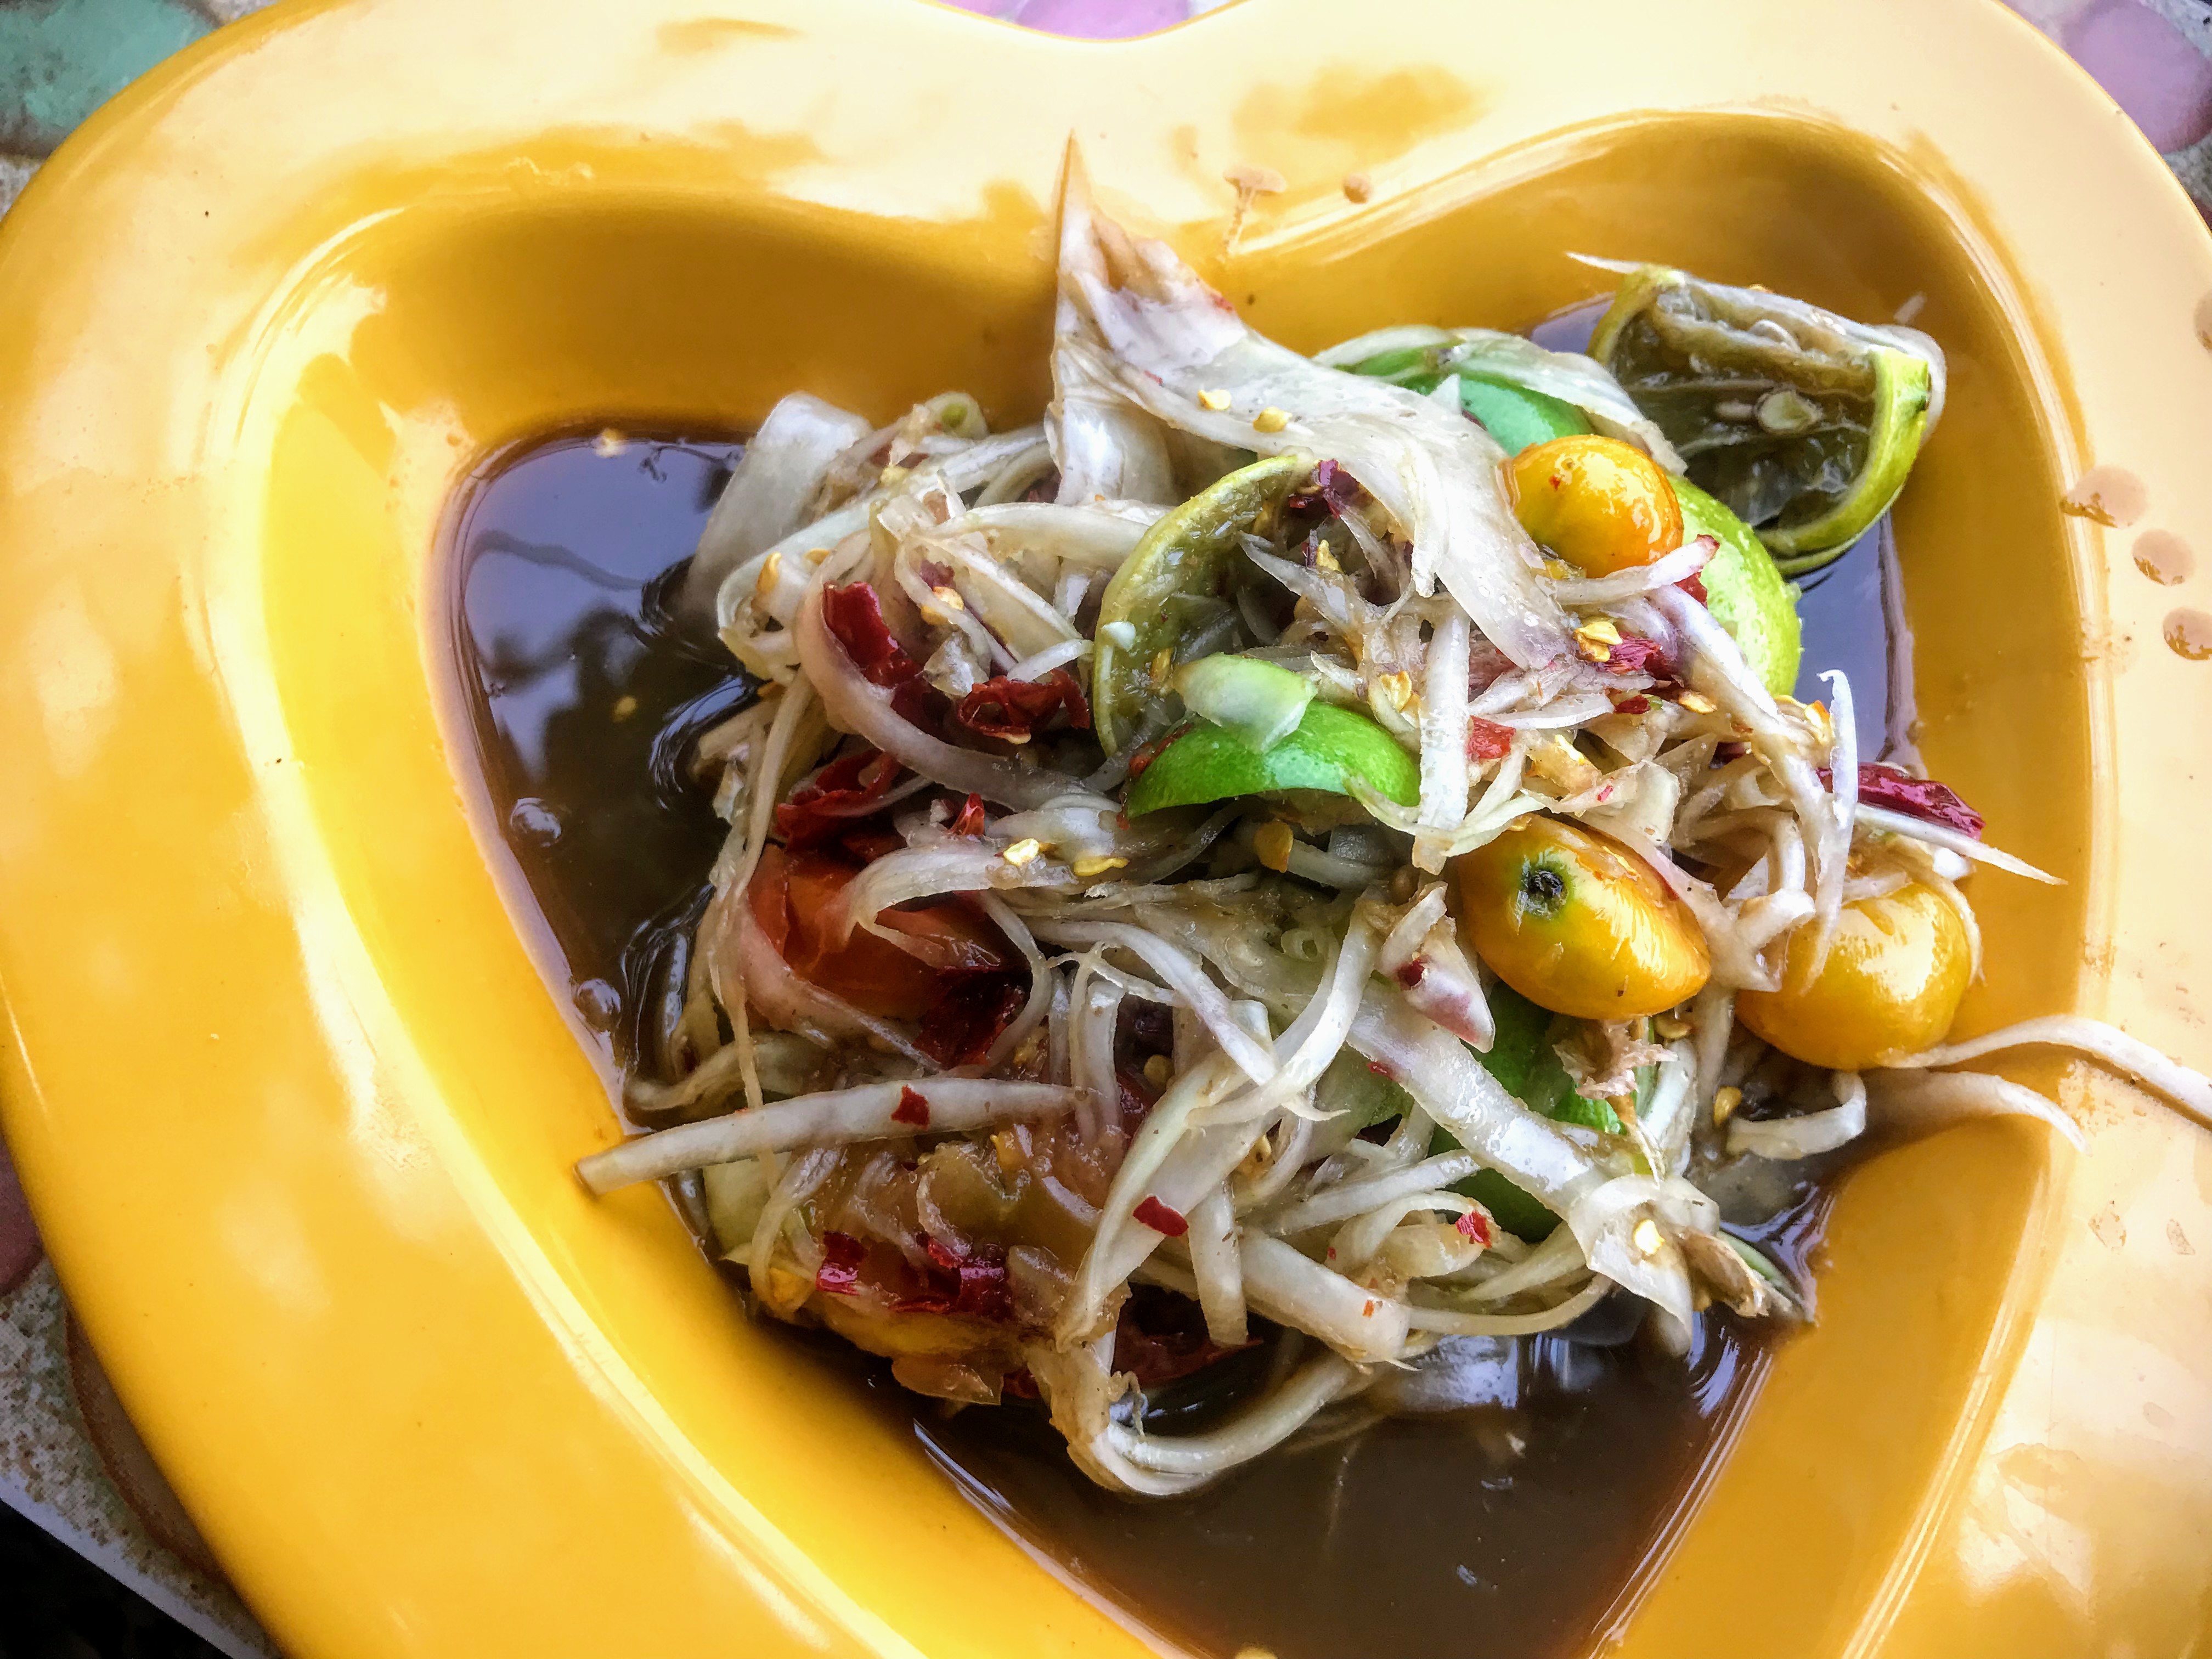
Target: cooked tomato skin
{"x":790,"y":893}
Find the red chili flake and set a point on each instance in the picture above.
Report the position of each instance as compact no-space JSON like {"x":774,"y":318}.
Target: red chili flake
{"x":984,"y":1293}
{"x":1150,"y":752}
{"x":843,"y":1255}
{"x":1014,"y":709}
{"x":855,"y":616}
{"x":1486,"y":740}
{"x":960,"y":1026}
{"x":1368,"y":1312}
{"x":1730,"y":751}
{"x":1334,"y":491}
{"x":1160,"y":1218}
{"x":912,"y":1109}
{"x":968,"y":820}
{"x":1381,"y":1071}
{"x":971,"y":1281}
{"x":1694,"y":586}
{"x":1636,"y":653}
{"x":923,"y":1301}
{"x":1472,"y":1226}
{"x":1412,"y":973}
{"x":1922,"y":798}
{"x":845,"y":789}
{"x":1639,"y":704}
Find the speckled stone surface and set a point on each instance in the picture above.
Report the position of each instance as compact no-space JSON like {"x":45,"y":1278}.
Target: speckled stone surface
{"x":50,"y":1474}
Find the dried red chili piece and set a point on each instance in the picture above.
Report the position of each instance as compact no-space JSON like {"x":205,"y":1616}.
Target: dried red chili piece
{"x":911,"y":1110}
{"x":983,"y":1292}
{"x":1920,"y":798}
{"x":968,"y":820}
{"x":843,"y":1257}
{"x":1160,"y":1218}
{"x":970,"y":1281}
{"x":854,"y":617}
{"x":1332,"y":491}
{"x":845,"y":789}
{"x":1637,"y":655}
{"x":1015,"y":710}
{"x":968,"y":1016}
{"x":1472,"y":1226}
{"x":1486,"y":740}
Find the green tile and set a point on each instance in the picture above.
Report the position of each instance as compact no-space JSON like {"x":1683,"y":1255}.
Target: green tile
{"x":62,"y":59}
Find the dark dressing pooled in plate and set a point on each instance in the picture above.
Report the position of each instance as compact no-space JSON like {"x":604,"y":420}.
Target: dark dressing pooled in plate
{"x":1516,"y":1496}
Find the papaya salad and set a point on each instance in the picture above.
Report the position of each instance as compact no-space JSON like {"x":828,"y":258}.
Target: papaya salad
{"x":1313,"y":851}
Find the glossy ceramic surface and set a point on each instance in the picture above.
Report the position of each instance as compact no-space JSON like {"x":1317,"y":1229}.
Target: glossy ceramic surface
{"x":296,"y":1108}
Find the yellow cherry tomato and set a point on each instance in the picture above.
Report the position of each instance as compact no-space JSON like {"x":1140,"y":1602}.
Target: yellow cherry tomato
{"x":1577,"y":924}
{"x":1599,"y":504}
{"x":1897,"y":967}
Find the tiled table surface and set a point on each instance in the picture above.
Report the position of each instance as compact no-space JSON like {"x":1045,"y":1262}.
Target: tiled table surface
{"x":59,"y":60}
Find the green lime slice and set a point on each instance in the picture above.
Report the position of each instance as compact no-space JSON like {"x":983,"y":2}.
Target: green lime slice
{"x":1744,"y":590}
{"x":1331,"y":747}
{"x":1513,"y":414}
{"x":1805,"y":424}
{"x":1189,"y":554}
{"x":1516,"y":416}
{"x":1521,"y":1057}
{"x":1901,"y":397}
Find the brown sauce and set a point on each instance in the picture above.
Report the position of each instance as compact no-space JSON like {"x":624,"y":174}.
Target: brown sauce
{"x":1518,"y":1525}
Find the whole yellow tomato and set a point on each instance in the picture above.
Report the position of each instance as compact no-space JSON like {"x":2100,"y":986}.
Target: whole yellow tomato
{"x":1896,"y":969}
{"x":1599,"y":504}
{"x":1577,"y":924}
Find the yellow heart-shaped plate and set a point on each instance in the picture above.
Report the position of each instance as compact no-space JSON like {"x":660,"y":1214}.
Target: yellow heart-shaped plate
{"x":298,"y":1112}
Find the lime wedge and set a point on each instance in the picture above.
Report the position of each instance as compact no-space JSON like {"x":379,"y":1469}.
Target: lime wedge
{"x":1901,"y":395}
{"x":1522,"y":1058}
{"x":1188,"y":556}
{"x":1744,"y":590}
{"x":1804,"y":423}
{"x":1515,"y":414}
{"x":1331,"y":748}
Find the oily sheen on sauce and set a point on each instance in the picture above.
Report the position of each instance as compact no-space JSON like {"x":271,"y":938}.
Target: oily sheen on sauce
{"x":1512,"y":1499}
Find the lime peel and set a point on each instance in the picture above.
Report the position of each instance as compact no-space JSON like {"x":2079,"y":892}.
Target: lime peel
{"x":1331,"y":749}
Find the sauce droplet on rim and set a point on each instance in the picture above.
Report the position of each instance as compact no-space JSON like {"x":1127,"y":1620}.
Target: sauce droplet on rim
{"x":2110,"y":495}
{"x":2204,"y":322}
{"x":2164,"y":558}
{"x":2190,"y":634}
